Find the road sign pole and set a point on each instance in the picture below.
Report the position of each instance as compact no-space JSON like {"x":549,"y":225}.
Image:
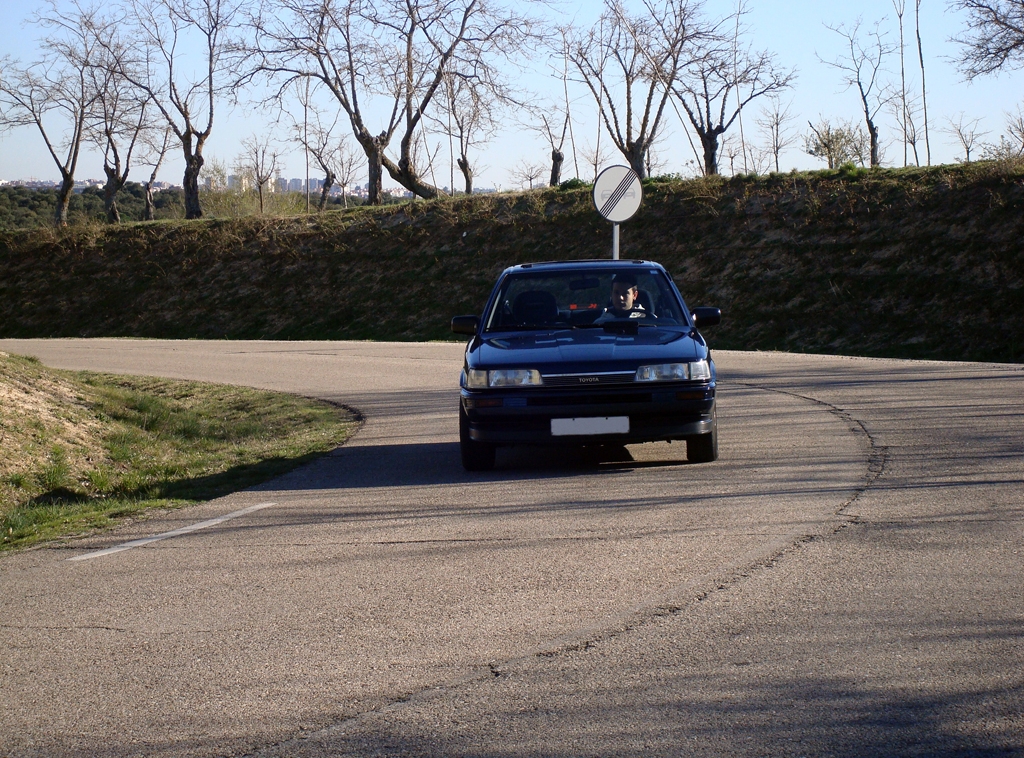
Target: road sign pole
{"x":615,"y":242}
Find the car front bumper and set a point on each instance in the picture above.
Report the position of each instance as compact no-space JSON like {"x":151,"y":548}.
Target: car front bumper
{"x":673,"y":412}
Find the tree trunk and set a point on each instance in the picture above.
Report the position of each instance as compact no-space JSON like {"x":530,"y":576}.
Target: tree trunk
{"x":328,"y":183}
{"x":193,"y":165}
{"x":873,"y":134}
{"x":406,"y":175}
{"x":709,"y":141}
{"x":467,"y":172}
{"x":405,"y":172}
{"x":634,"y":154}
{"x":60,"y":213}
{"x":375,"y":179}
{"x":557,"y":158}
{"x":115,"y":182}
{"x":373,"y":148}
{"x":150,"y":212}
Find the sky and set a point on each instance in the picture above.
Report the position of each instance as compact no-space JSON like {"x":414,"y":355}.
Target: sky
{"x":796,"y":32}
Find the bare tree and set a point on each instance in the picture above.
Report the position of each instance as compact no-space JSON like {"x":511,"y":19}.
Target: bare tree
{"x":215,"y":175}
{"x":121,"y":123}
{"x":121,"y":116}
{"x":1015,"y":126}
{"x":966,"y":133}
{"x":761,"y":160}
{"x":595,"y":156}
{"x":902,"y":113}
{"x":1003,"y":150}
{"x":334,"y":155}
{"x":556,"y":133}
{"x":905,"y":110}
{"x":316,"y":137}
{"x":994,"y":38}
{"x":468,"y":116}
{"x":636,"y":59}
{"x":259,"y":161}
{"x":155,"y":148}
{"x":346,"y":166}
{"x":775,"y":123}
{"x":924,"y":89}
{"x":862,"y":67}
{"x":551,"y":118}
{"x":837,"y":144}
{"x":162,"y":34}
{"x":526,"y":174}
{"x":119,"y":142}
{"x":56,"y":95}
{"x":1011,"y":144}
{"x":720,"y":80}
{"x":553,"y":121}
{"x":394,"y":53}
{"x":731,"y":149}
{"x":654,"y":161}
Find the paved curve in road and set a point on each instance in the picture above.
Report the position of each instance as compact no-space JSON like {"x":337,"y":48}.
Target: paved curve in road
{"x":846,"y":580}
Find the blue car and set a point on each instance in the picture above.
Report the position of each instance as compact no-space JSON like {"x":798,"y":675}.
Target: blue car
{"x":586,"y":353}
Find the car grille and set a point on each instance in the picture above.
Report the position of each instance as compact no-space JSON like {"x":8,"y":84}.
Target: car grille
{"x":585,"y":380}
{"x":591,"y":399}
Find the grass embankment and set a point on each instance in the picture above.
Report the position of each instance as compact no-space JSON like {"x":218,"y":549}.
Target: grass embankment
{"x":84,"y":450}
{"x":917,"y":263}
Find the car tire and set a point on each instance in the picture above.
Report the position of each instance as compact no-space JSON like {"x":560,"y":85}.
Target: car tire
{"x":476,"y":456}
{"x":704,"y":448}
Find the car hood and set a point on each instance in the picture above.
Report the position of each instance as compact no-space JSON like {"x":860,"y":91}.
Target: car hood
{"x":586,"y":349}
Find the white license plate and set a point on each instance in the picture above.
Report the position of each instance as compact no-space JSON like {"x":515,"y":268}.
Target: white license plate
{"x":562,"y":427}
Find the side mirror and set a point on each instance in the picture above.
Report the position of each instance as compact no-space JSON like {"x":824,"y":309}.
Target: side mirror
{"x":704,"y":316}
{"x":467,"y":325}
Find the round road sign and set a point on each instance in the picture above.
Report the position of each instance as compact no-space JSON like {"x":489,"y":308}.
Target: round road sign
{"x":617,"y":193}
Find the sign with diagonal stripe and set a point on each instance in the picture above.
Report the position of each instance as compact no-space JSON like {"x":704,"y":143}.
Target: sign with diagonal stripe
{"x":617,"y":193}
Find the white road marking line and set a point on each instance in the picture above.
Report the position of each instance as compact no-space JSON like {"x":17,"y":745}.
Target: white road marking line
{"x":174,"y":533}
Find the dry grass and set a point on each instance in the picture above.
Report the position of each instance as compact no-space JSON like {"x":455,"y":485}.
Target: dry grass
{"x":41,"y":412}
{"x":82,"y":450}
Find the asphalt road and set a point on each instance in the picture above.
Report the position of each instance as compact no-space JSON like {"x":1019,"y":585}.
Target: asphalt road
{"x":846,"y":581}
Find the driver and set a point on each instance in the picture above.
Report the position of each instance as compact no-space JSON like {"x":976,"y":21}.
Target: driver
{"x":624,"y":303}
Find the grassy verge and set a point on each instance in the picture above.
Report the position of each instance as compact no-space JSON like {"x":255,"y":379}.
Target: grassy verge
{"x":82,"y":451}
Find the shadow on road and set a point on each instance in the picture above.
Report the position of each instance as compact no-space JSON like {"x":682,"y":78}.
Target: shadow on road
{"x":412,"y":464}
{"x":803,"y":716}
{"x":685,"y":716}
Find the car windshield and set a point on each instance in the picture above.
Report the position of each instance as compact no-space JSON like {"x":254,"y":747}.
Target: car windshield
{"x":583,"y":299}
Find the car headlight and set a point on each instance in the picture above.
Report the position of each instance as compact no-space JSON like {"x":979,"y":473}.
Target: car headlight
{"x":513,"y":377}
{"x":505,"y":377}
{"x":700,"y":371}
{"x":476,"y":379}
{"x":674,"y":372}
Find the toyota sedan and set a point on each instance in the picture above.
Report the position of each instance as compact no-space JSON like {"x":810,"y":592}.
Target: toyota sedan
{"x":586,"y":353}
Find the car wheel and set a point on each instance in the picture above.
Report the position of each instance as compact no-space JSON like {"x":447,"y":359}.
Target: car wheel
{"x":476,"y":456}
{"x":704,"y":448}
